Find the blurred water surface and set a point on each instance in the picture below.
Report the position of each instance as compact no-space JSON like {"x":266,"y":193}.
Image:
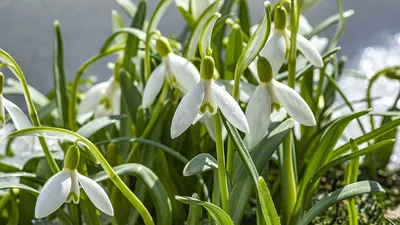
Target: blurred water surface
{"x":370,"y":41}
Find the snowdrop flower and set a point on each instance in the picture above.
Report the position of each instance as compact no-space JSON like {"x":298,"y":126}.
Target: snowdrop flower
{"x":18,"y":117}
{"x":204,"y":99}
{"x":273,"y":94}
{"x":276,"y":47}
{"x":178,"y":71}
{"x":64,"y":187}
{"x":103,"y":99}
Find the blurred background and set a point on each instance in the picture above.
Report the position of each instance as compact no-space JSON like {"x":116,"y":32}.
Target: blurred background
{"x":371,"y":39}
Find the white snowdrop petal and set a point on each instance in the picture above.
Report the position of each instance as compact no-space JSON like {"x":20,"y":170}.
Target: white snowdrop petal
{"x":153,"y":86}
{"x":183,"y":3}
{"x":258,"y":113}
{"x":19,"y":118}
{"x":275,"y":51}
{"x":208,"y":121}
{"x":320,"y":43}
{"x":198,"y":7}
{"x":309,"y":51}
{"x":304,"y":25}
{"x":230,"y":108}
{"x":96,"y":194}
{"x":294,"y":104}
{"x":89,"y":103}
{"x":54,"y":193}
{"x":187,"y":110}
{"x":184,"y":71}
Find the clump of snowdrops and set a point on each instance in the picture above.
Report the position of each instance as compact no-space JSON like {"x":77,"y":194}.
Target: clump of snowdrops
{"x":230,"y":122}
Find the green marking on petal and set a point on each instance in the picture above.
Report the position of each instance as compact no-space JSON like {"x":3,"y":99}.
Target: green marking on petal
{"x":205,"y":106}
{"x":72,"y":197}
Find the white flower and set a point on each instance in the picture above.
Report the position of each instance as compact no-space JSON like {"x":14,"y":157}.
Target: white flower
{"x":18,"y":117}
{"x":271,"y":93}
{"x":103,"y":99}
{"x":64,"y":187}
{"x":276,"y":47}
{"x":178,"y":71}
{"x":205,"y":98}
{"x":196,"y":7}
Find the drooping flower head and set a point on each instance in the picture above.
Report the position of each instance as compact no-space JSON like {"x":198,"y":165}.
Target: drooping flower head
{"x":205,"y":99}
{"x":272,"y":94}
{"x":103,"y":99}
{"x":64,"y":187}
{"x":178,"y":71}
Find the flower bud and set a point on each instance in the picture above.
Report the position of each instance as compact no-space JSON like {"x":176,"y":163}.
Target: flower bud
{"x":264,"y":70}
{"x":163,"y":47}
{"x":207,"y":68}
{"x":280,"y":16}
{"x":72,"y":157}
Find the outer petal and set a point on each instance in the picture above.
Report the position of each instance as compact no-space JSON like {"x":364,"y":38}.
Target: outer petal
{"x":54,"y":193}
{"x":258,"y":113}
{"x":304,"y":25}
{"x":19,"y":118}
{"x":187,"y":110}
{"x":230,"y":108}
{"x":185,"y":72}
{"x":275,"y":51}
{"x":153,"y":85}
{"x":91,"y":101}
{"x":198,"y":7}
{"x":320,"y":43}
{"x":294,"y":104}
{"x":96,"y":194}
{"x":309,"y":51}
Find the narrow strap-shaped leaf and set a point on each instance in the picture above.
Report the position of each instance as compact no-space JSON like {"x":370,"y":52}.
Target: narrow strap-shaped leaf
{"x":333,"y":198}
{"x":195,"y":212}
{"x":206,"y":34}
{"x":233,"y":51}
{"x":193,"y":43}
{"x":267,"y":203}
{"x":130,"y":93}
{"x":219,"y":215}
{"x":244,"y":17}
{"x":150,"y":180}
{"x":60,"y":84}
{"x":128,"y":6}
{"x":242,"y":151}
{"x":12,"y":185}
{"x":328,"y":22}
{"x":141,"y":35}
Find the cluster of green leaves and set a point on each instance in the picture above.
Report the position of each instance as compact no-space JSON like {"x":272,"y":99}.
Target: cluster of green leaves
{"x":161,"y":171}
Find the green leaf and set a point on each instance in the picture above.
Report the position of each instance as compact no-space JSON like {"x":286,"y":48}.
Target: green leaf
{"x":60,"y":84}
{"x":256,"y":42}
{"x":95,"y":125}
{"x":128,"y":6}
{"x":6,"y":168}
{"x":328,"y":22}
{"x":219,"y":215}
{"x":195,"y":212}
{"x":200,"y":163}
{"x":267,"y":203}
{"x":244,"y":17}
{"x":17,"y":174}
{"x":141,"y":35}
{"x":37,"y":96}
{"x":193,"y":43}
{"x":130,"y":93}
{"x":242,"y":151}
{"x":156,"y":189}
{"x":233,"y":51}
{"x":11,"y":185}
{"x":384,"y":129}
{"x":206,"y":33}
{"x":335,"y":197}
{"x":242,"y":182}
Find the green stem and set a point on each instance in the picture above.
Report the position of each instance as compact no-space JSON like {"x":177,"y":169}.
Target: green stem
{"x":287,"y":169}
{"x":223,"y":185}
{"x":230,"y":157}
{"x":289,"y":189}
{"x":149,"y":128}
{"x":75,"y":83}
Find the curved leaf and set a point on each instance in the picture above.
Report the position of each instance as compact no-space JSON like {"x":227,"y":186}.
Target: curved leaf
{"x":333,"y":198}
{"x":267,"y":203}
{"x":128,"y":6}
{"x":206,"y":33}
{"x":191,"y":47}
{"x":219,"y":215}
{"x":200,"y":163}
{"x":141,"y":35}
{"x":95,"y":125}
{"x":153,"y":184}
{"x":11,"y":185}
